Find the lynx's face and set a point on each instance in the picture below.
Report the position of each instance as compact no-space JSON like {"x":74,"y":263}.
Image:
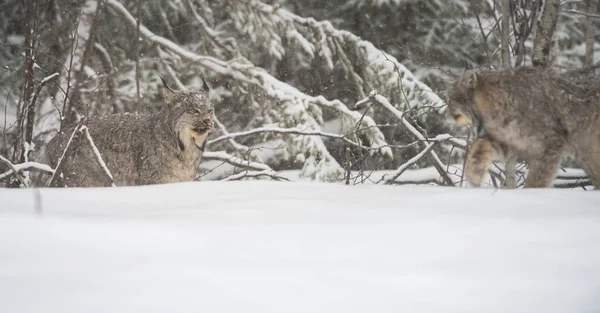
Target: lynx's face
{"x":460,"y":99}
{"x":458,"y":110}
{"x":192,"y":113}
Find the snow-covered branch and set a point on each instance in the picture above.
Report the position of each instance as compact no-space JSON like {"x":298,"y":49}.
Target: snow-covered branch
{"x":13,"y":169}
{"x":284,"y":93}
{"x":252,"y":169}
{"x":408,"y":163}
{"x":26,"y":167}
{"x":439,"y":165}
{"x":60,"y":163}
{"x":254,"y":174}
{"x":97,"y":155}
{"x":279,"y":130}
{"x":322,"y":39}
{"x":235,"y":161}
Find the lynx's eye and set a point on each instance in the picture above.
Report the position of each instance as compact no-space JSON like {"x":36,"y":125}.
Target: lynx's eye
{"x":195,"y":111}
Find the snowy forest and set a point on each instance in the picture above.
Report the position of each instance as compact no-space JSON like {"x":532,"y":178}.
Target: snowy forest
{"x":333,"y":91}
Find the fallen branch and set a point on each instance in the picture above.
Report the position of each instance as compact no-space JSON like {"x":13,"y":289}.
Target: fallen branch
{"x":235,"y":161}
{"x":254,"y":169}
{"x":254,"y":174}
{"x":410,"y":162}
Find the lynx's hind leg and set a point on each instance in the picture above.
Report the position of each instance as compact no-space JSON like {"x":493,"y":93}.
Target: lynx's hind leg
{"x":542,"y":170}
{"x":482,"y":153}
{"x":589,"y":160}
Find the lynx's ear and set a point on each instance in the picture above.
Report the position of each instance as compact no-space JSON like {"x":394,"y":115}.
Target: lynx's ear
{"x":470,"y":79}
{"x":167,"y":92}
{"x":205,"y":85}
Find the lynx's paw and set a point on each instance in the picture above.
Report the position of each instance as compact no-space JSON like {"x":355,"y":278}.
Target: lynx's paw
{"x":481,"y":154}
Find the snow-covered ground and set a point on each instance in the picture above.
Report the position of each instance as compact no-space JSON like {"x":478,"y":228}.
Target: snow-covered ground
{"x":299,"y":247}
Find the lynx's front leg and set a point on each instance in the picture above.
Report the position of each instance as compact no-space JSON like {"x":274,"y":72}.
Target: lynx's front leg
{"x":482,"y":153}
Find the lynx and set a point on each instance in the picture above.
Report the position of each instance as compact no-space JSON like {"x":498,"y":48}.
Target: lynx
{"x":164,"y":147}
{"x":536,"y":115}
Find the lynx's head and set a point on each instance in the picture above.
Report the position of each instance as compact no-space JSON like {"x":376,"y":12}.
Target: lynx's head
{"x":191,"y":114}
{"x":460,"y":98}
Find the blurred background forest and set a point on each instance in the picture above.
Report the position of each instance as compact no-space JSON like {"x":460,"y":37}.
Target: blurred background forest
{"x":328,"y":90}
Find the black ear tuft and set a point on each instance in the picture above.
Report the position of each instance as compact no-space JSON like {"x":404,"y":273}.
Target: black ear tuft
{"x":468,"y":65}
{"x":167,"y":92}
{"x":205,"y":85}
{"x":163,"y":81}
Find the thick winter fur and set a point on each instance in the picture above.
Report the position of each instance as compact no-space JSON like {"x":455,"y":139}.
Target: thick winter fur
{"x":164,"y":147}
{"x":534,"y":114}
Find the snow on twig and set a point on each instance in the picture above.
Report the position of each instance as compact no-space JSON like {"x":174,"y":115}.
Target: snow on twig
{"x":14,"y":170}
{"x":27,"y":166}
{"x":48,"y":78}
{"x":105,"y":170}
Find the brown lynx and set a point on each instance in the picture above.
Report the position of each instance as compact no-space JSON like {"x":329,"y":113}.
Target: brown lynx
{"x":164,"y":147}
{"x":534,"y":114}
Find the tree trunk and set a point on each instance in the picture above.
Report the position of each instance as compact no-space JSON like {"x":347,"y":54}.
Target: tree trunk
{"x":29,"y":78}
{"x":545,"y":31}
{"x":591,"y":29}
{"x":505,"y":33}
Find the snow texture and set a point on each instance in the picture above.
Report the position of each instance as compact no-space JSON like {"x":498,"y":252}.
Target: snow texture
{"x":299,"y":247}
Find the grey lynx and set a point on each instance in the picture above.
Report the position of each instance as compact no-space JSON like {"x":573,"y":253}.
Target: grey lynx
{"x":533,"y":114}
{"x":164,"y":147}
